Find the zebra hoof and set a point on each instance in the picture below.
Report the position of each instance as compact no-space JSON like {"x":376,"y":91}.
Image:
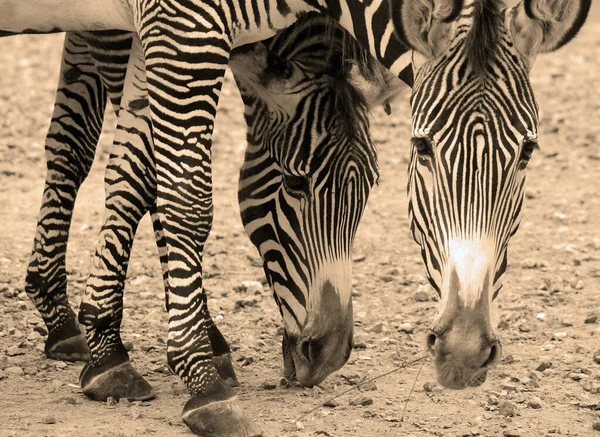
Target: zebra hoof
{"x":219,"y":418}
{"x":67,"y":349}
{"x":225,"y":369}
{"x":119,"y":382}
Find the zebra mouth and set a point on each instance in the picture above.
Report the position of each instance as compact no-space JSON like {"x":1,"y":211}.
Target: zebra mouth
{"x":478,"y":379}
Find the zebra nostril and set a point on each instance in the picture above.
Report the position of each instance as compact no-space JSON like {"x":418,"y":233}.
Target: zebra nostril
{"x":495,"y":352}
{"x":305,"y":350}
{"x":431,"y":339}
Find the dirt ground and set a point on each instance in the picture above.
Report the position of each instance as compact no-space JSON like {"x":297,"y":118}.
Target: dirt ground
{"x":551,"y":285}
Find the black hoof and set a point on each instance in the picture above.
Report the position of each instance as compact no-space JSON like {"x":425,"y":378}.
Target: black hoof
{"x":119,"y":382}
{"x":68,"y":349}
{"x":219,"y":418}
{"x":225,"y":369}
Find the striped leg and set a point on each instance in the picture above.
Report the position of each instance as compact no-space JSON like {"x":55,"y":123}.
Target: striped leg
{"x":130,"y":185}
{"x":221,"y":351}
{"x":70,"y":147}
{"x":183,"y":93}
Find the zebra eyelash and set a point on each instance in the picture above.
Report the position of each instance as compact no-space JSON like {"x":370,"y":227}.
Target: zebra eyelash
{"x":527,"y":148}
{"x":295,"y":185}
{"x":423,"y":146}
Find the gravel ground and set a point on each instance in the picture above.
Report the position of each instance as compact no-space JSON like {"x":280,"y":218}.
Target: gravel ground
{"x":547,"y":384}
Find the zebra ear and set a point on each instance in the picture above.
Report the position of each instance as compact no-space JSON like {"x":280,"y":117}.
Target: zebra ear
{"x":425,"y":25}
{"x":540,"y":26}
{"x":379,"y":87}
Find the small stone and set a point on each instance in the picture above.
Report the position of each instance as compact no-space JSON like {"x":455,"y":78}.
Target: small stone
{"x":524,"y":327}
{"x":34,"y":336}
{"x":128,"y":345}
{"x":111,"y":402}
{"x":13,"y":351}
{"x":299,"y":426}
{"x":245,"y":303}
{"x":359,"y":345}
{"x":48,"y":420}
{"x":407,"y":328}
{"x":493,"y":400}
{"x":591,"y":319}
{"x":543,"y":366}
{"x":269,"y":386}
{"x":591,"y":387}
{"x":368,"y":386}
{"x":252,"y":287}
{"x":330,"y":403}
{"x":245,"y":360}
{"x":535,"y":403}
{"x":575,"y":376}
{"x":14,"y":370}
{"x":597,"y":356}
{"x":596,"y":426}
{"x":431,"y":387}
{"x":361,"y":400}
{"x":124,"y":402}
{"x":560,"y":335}
{"x":507,"y":409}
{"x":421,"y":296}
{"x":511,"y":434}
{"x":378,"y":328}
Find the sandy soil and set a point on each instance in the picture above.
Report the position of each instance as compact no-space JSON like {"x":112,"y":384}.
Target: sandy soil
{"x":551,"y":285}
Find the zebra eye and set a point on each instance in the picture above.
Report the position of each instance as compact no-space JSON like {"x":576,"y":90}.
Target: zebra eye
{"x":423,"y":146}
{"x":527,"y":149}
{"x":296,"y":185}
{"x":279,"y":66}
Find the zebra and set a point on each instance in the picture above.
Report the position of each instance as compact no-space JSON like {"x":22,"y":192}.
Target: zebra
{"x":307,"y":95}
{"x":185,"y":46}
{"x":474,"y":129}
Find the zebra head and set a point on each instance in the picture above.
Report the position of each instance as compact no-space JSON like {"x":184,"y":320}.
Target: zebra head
{"x":475,"y":127}
{"x":308,"y":170}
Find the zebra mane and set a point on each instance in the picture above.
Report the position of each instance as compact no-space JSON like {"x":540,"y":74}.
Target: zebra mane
{"x":323,"y":47}
{"x":482,"y":41}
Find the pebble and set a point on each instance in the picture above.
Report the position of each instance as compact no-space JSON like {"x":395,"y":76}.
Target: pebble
{"x":421,"y":296}
{"x":591,"y":319}
{"x":368,"y":386}
{"x":14,"y":370}
{"x":596,"y":426}
{"x":507,"y":409}
{"x":493,"y":400}
{"x":597,"y":356}
{"x":299,"y":426}
{"x":431,"y":387}
{"x":128,"y":345}
{"x":378,"y":328}
{"x":13,"y":351}
{"x":560,"y":335}
{"x":331,"y":403}
{"x":524,"y":327}
{"x":269,"y":386}
{"x":407,"y":328}
{"x":543,"y":366}
{"x":252,"y":287}
{"x":34,"y":336}
{"x":535,"y":403}
{"x":590,"y":387}
{"x":48,"y":420}
{"x":362,"y":400}
{"x":511,"y":434}
{"x":111,"y":402}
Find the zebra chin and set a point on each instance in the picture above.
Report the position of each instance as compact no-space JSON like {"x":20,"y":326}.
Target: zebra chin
{"x":324,"y":343}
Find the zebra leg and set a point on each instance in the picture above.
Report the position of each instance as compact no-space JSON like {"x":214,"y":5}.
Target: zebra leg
{"x":184,"y":85}
{"x":130,"y":185}
{"x":70,"y":147}
{"x":221,"y":351}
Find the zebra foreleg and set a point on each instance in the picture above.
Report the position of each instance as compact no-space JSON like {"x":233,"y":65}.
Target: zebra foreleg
{"x":130,"y":185}
{"x":70,"y":147}
{"x":221,"y":351}
{"x":184,"y":85}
